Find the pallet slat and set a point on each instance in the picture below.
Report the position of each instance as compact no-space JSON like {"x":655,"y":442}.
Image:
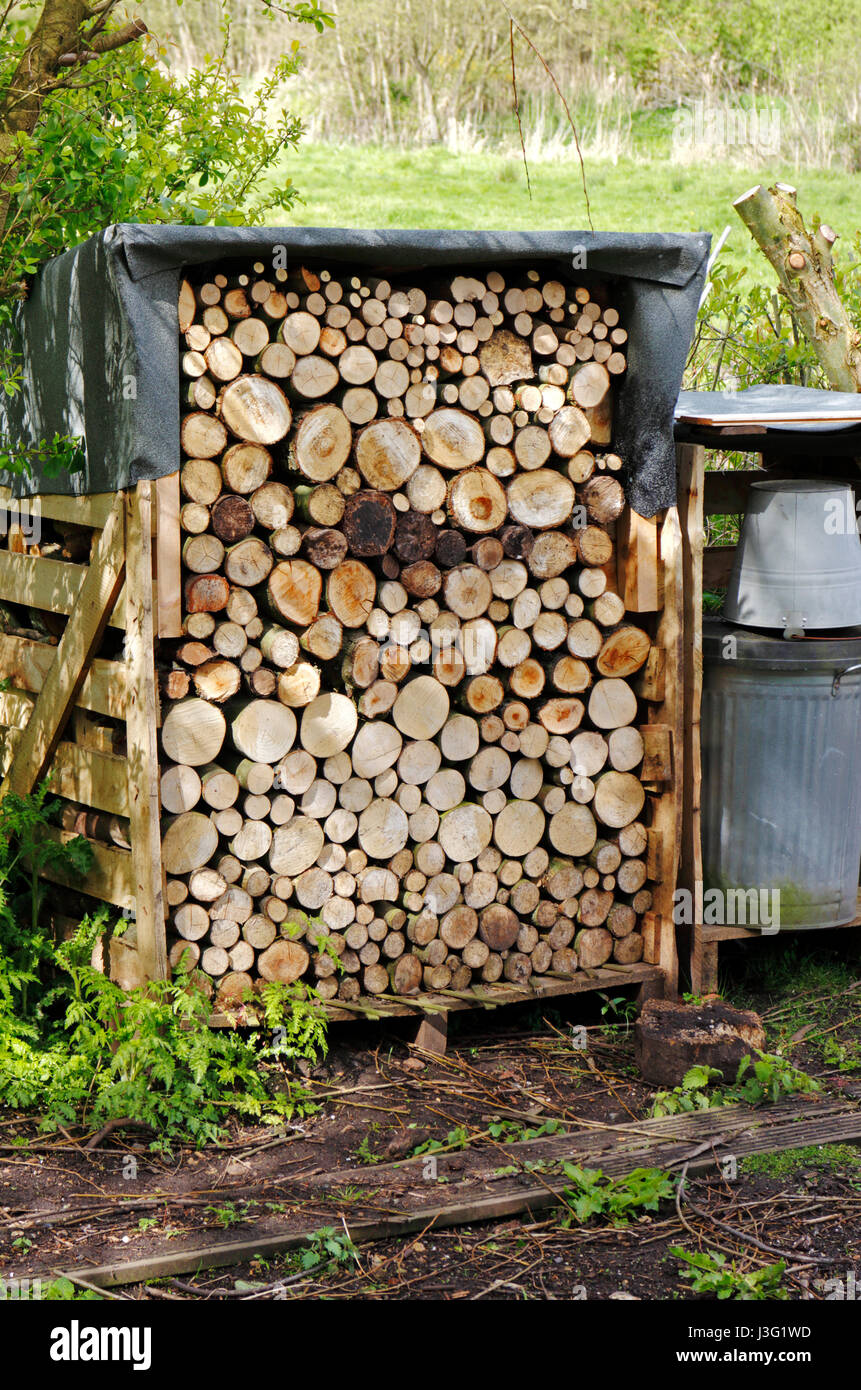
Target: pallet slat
{"x":97,"y":595}
{"x":111,"y":878}
{"x":85,"y":775}
{"x":25,"y":664}
{"x":52,"y":585}
{"x":92,"y":510}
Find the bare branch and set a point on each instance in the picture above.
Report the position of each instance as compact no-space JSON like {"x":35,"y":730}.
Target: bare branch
{"x":106,"y":43}
{"x":523,"y":34}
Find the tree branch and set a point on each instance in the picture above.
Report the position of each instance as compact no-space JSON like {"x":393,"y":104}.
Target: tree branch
{"x":106,"y":43}
{"x":805,"y":272}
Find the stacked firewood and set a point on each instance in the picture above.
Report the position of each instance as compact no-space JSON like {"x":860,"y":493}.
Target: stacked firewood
{"x":401,"y":743}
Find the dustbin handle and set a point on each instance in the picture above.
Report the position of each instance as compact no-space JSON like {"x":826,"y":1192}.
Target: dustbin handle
{"x":838,"y":676}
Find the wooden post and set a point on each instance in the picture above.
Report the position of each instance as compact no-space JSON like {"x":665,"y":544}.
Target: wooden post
{"x":168,"y":559}
{"x":666,"y":825}
{"x":432,"y":1034}
{"x":691,"y":486}
{"x":142,"y":737}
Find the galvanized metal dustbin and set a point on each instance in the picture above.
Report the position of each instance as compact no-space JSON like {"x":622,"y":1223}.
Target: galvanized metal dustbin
{"x":781,"y":755}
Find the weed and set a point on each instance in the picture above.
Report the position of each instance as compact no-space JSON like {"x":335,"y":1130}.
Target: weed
{"x":767,"y":1079}
{"x":592,"y":1194}
{"x":623,"y":1010}
{"x":229,"y":1214}
{"x":326,"y":1247}
{"x":365,"y":1154}
{"x":146,"y":1223}
{"x":345,"y":1196}
{"x":458,"y":1138}
{"x":709,"y":1273}
{"x":845,"y":1056}
{"x":510,"y":1132}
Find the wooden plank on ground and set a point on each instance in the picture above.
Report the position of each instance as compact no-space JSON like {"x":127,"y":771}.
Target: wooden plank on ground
{"x":110,"y":879}
{"x":91,"y":510}
{"x":168,"y":557}
{"x":700,"y":1146}
{"x":98,"y":592}
{"x":142,"y":737}
{"x":52,"y":585}
{"x":25,"y":664}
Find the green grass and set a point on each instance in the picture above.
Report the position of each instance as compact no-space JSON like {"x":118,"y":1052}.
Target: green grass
{"x":350,"y":186}
{"x":824,"y":1158}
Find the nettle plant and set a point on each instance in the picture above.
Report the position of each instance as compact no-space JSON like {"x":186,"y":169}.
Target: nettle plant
{"x":765,"y":1079}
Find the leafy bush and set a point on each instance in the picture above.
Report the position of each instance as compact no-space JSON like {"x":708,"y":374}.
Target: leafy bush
{"x":123,"y":137}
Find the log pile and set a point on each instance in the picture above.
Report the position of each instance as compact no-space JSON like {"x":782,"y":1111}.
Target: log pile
{"x":400,"y":734}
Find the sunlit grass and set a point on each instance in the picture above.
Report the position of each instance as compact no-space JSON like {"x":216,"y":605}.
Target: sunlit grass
{"x":350,"y":186}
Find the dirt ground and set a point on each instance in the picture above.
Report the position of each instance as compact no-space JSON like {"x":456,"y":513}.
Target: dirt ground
{"x":509,"y":1075}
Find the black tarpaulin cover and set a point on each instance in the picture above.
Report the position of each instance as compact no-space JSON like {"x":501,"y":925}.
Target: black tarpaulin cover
{"x":99,"y":337}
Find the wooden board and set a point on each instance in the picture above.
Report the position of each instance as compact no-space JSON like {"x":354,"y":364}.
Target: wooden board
{"x":666,"y":819}
{"x":141,"y":738}
{"x":83,"y":775}
{"x":718,"y":561}
{"x":92,"y":510}
{"x":723,"y":494}
{"x":775,"y":419}
{"x":698,"y":1142}
{"x":25,"y":664}
{"x":478,"y":996}
{"x":639,"y":567}
{"x":168,"y":564}
{"x":693,"y":489}
{"x":53,"y":585}
{"x":111,"y":879}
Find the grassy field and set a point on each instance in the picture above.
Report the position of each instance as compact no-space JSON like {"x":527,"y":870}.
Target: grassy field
{"x":348,"y":186}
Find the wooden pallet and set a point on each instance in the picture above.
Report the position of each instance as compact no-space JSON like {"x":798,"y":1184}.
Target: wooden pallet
{"x":56,"y":696}
{"x":434,"y":1009}
{"x":50,"y":717}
